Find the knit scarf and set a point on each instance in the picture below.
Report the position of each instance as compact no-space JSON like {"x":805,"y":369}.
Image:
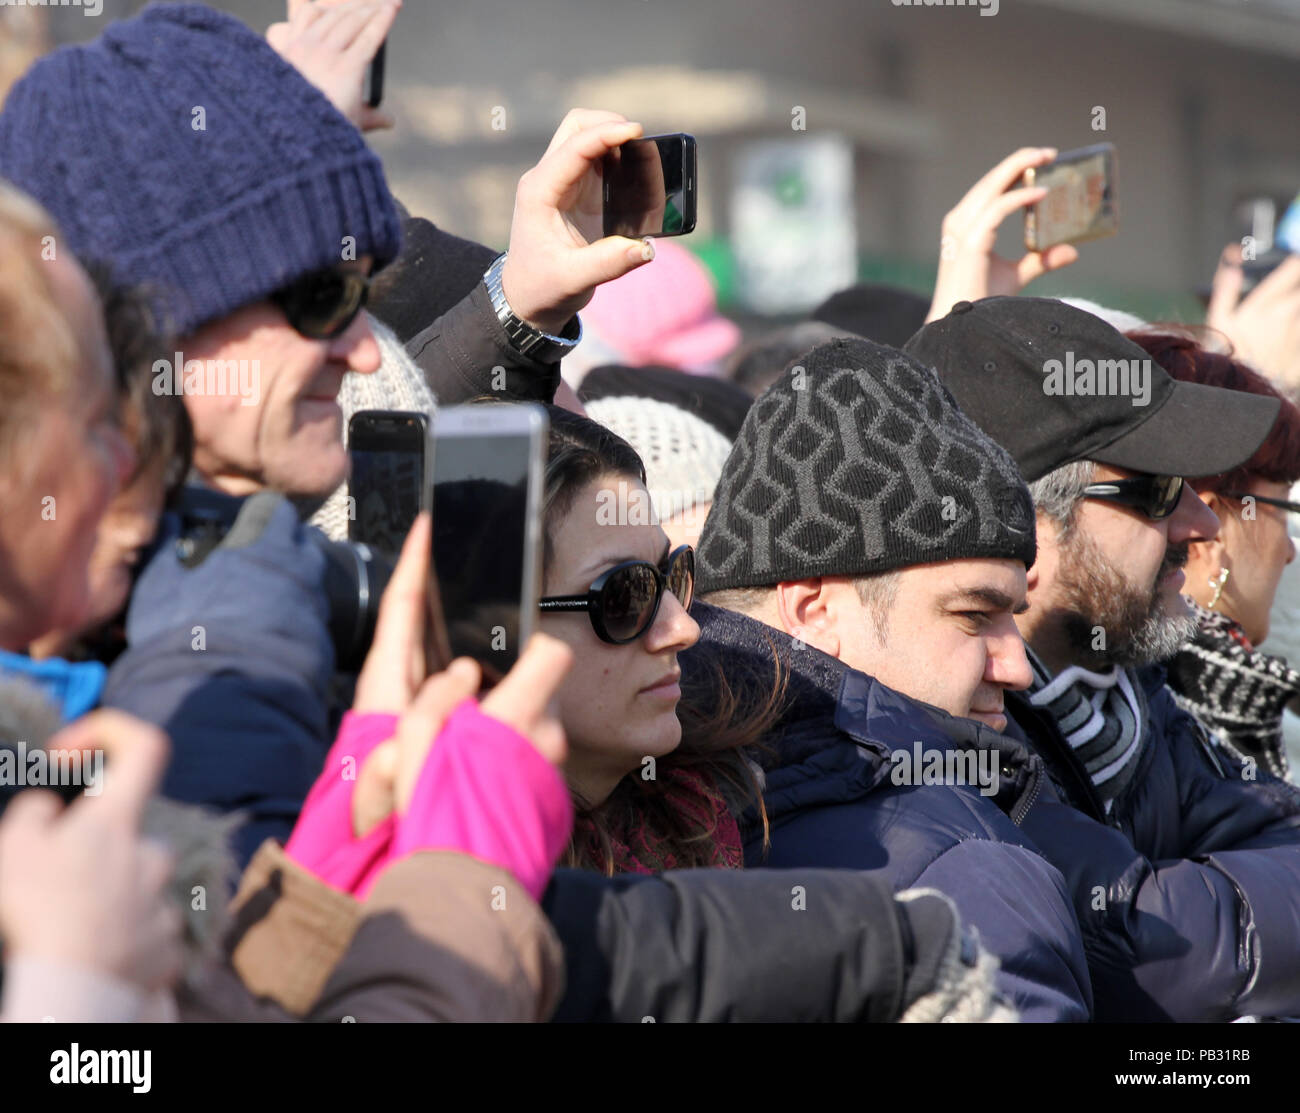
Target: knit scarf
{"x":638,"y":847}
{"x":1103,"y":716}
{"x":1234,"y":689}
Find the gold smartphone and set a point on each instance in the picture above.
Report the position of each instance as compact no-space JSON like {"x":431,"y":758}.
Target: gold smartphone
{"x":1082,"y":203}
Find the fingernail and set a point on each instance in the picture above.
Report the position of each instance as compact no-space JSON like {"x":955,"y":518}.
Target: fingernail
{"x":642,"y":252}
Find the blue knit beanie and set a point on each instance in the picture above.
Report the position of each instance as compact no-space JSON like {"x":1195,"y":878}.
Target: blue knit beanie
{"x":182,"y":151}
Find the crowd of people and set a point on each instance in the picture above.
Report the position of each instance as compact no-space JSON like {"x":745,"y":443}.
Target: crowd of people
{"x":930,"y":691}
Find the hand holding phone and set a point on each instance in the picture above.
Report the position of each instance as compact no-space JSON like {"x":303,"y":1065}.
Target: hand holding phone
{"x":559,"y":252}
{"x":338,"y":45}
{"x":410,"y":639}
{"x":969,"y":267}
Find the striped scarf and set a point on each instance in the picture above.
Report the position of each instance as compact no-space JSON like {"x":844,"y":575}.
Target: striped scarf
{"x":1103,"y":717}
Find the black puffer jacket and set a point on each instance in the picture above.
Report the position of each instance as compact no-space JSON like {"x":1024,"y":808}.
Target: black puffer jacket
{"x":1188,"y":894}
{"x":765,"y":945}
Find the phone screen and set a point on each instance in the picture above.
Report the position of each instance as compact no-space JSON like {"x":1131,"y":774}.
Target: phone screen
{"x":649,"y":187}
{"x":484,"y":550}
{"x":387,"y":453}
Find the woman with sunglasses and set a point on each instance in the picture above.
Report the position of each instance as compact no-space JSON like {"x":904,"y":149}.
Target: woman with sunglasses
{"x":647,"y":798}
{"x":1219,"y":674}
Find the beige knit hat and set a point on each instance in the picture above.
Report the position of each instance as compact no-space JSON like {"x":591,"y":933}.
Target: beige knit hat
{"x":399,"y":384}
{"x":683,"y":455}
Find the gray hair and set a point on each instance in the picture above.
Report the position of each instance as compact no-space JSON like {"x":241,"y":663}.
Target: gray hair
{"x":1057,"y":494}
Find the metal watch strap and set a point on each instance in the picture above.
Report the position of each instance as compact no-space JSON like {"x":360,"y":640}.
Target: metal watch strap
{"x":530,"y":342}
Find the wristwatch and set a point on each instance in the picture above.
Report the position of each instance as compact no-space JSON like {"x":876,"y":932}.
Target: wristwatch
{"x":528,"y":341}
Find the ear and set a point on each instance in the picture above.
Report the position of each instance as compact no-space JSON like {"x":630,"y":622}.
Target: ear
{"x":804,"y":608}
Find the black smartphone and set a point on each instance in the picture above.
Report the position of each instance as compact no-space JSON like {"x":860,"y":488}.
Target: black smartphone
{"x":650,"y":187}
{"x":389,"y":478}
{"x":374,"y":92}
{"x":488,"y":464}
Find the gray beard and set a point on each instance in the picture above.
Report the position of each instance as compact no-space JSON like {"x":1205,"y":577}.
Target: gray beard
{"x":1137,"y":629}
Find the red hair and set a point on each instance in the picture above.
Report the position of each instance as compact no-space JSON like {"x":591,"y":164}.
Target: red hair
{"x":1277,"y":460}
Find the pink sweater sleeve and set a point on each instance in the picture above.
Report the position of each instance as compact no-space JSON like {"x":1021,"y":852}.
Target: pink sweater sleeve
{"x":486,"y":792}
{"x":322,"y":839}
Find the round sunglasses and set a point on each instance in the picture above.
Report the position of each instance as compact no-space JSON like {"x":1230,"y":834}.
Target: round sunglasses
{"x":623,"y":602}
{"x":1156,"y":496}
{"x":321,"y":305}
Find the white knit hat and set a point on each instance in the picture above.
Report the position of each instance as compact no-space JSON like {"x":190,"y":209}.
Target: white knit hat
{"x":683,"y":454}
{"x":399,"y":384}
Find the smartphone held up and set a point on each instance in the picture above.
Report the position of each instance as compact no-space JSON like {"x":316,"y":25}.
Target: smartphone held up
{"x":1081,"y":203}
{"x":649,"y":187}
{"x":488,"y":463}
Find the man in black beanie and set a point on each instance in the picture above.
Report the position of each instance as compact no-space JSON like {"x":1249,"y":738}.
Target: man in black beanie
{"x":869,"y":537}
{"x":1183,"y":861}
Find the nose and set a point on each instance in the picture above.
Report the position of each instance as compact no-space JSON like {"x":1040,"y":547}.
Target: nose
{"x":357,"y":347}
{"x":673,"y":629}
{"x":1007,"y":665}
{"x":1192,"y":520}
{"x":1290,"y":548}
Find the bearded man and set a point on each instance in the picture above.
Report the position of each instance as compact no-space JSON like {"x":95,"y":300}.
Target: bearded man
{"x":1183,"y":861}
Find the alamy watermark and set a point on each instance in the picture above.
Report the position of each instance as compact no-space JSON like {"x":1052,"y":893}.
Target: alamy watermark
{"x":987,"y":7}
{"x":924,"y":766}
{"x":1099,"y":378}
{"x":24,"y":766}
{"x":209,"y":377}
{"x":90,"y":7}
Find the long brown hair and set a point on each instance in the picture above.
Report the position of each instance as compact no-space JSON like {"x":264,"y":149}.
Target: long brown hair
{"x":720,"y":719}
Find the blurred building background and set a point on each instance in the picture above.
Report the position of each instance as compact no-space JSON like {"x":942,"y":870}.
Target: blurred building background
{"x":835,"y":134}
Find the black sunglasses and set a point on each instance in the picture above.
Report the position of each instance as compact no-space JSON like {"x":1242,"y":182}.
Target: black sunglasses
{"x":623,"y":602}
{"x":1289,"y":507}
{"x":1155,"y":495}
{"x":321,"y":305}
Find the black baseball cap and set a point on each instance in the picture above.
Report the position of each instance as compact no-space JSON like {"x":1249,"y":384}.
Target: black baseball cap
{"x":1042,"y":379}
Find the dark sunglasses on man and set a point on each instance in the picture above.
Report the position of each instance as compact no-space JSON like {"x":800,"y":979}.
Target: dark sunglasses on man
{"x":321,"y":305}
{"x":1156,"y":496}
{"x":623,"y":602}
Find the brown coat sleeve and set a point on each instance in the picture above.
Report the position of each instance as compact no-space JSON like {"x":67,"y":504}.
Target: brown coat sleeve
{"x":442,"y":936}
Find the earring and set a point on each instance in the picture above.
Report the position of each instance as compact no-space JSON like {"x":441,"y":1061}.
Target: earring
{"x":1217,"y":585}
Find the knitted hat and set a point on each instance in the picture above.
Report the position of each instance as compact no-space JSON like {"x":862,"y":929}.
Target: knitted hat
{"x":885,"y":314}
{"x":180,"y":149}
{"x":721,"y":403}
{"x":683,"y":455}
{"x":859,"y":462}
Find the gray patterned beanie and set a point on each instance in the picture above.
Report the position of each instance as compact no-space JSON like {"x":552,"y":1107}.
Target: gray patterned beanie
{"x":855,"y":461}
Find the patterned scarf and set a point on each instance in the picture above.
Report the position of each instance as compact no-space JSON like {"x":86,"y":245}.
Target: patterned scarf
{"x":1234,"y":689}
{"x":1103,"y":717}
{"x":639,"y":848}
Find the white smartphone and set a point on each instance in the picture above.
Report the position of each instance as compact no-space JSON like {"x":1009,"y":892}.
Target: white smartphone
{"x":488,"y":466}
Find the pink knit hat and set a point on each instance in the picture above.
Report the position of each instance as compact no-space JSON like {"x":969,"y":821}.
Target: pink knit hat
{"x":664,"y":312}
